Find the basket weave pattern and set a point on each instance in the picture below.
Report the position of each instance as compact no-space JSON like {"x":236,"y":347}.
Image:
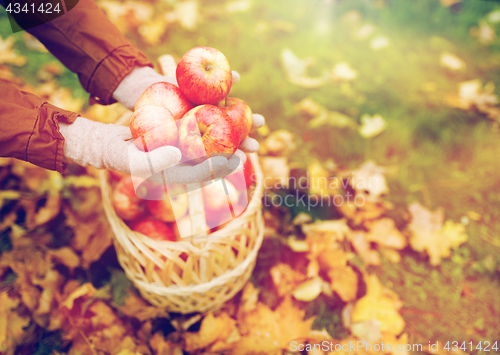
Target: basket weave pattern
{"x":191,"y":275}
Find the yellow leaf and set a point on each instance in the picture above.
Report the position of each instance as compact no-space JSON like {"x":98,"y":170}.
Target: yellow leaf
{"x":320,"y":181}
{"x":429,"y":234}
{"x":265,"y":331}
{"x":369,"y":181}
{"x":371,"y":125}
{"x":343,"y":71}
{"x":344,"y":281}
{"x":285,"y":279}
{"x":276,"y":172}
{"x":451,"y":61}
{"x":212,"y":329}
{"x":384,"y":232}
{"x":8,"y":55}
{"x":296,"y":70}
{"x":66,"y":256}
{"x":279,"y":143}
{"x":376,"y":304}
{"x":308,"y":290}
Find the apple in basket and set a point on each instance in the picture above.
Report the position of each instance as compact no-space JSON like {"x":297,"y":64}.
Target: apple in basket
{"x":165,"y":95}
{"x":218,"y":204}
{"x":240,"y":114}
{"x":204,"y":75}
{"x":173,"y":207}
{"x":207,"y":131}
{"x":153,"y":127}
{"x":128,"y":205}
{"x":153,"y":229}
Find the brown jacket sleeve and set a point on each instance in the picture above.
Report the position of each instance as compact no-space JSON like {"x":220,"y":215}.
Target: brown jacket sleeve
{"x":87,"y":43}
{"x":30,"y":129}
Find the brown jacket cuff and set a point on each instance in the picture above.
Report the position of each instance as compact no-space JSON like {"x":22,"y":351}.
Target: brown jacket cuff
{"x":111,"y":71}
{"x":46,"y":143}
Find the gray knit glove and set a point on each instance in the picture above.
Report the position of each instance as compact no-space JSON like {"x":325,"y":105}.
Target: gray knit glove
{"x":108,"y":146}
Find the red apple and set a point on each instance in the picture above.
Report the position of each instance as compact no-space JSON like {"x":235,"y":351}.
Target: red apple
{"x":204,"y":75}
{"x":216,"y":202}
{"x":165,"y":95}
{"x":125,"y":201}
{"x":240,"y":113}
{"x":207,"y":131}
{"x":153,"y":127}
{"x":153,"y":229}
{"x":172,"y":207}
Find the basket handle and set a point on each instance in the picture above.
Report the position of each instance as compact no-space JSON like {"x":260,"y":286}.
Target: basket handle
{"x":195,"y":196}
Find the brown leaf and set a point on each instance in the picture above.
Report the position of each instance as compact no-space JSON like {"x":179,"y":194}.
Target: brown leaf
{"x":211,"y":330}
{"x":11,"y":323}
{"x":285,"y":278}
{"x":66,"y":256}
{"x":363,"y":248}
{"x":344,"y":281}
{"x":265,"y":331}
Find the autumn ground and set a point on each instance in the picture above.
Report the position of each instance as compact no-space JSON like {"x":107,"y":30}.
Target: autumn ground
{"x":408,"y":85}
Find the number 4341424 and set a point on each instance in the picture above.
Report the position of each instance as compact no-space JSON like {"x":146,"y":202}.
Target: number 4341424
{"x":481,"y":346}
{"x":47,"y":8}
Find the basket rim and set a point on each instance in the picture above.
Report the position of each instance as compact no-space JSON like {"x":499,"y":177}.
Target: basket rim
{"x":176,"y":290}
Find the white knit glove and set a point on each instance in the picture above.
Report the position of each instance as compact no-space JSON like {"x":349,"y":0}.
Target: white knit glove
{"x":108,"y":146}
{"x":134,"y":84}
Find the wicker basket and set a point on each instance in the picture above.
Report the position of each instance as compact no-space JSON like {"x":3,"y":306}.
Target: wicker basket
{"x":191,"y":275}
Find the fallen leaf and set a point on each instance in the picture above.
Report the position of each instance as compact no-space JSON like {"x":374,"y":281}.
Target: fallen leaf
{"x":285,"y":278}
{"x":369,"y":181}
{"x":379,"y":42}
{"x":371,"y":125}
{"x":65,"y":256}
{"x":153,"y":30}
{"x":265,"y":331}
{"x":320,"y":181}
{"x":211,"y":330}
{"x":278,"y":143}
{"x":7,"y":53}
{"x":344,"y":281}
{"x":484,"y":33}
{"x":11,"y":323}
{"x":276,"y":171}
{"x":378,"y":304}
{"x":237,"y":6}
{"x":429,"y":234}
{"x":384,"y":232}
{"x":187,"y":13}
{"x":296,"y":70}
{"x":343,"y":71}
{"x":364,"y":32}
{"x":451,"y":61}
{"x":308,"y":290}
{"x":319,"y":116}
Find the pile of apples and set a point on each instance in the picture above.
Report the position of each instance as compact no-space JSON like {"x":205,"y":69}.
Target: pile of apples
{"x":197,"y":116}
{"x":156,"y":218}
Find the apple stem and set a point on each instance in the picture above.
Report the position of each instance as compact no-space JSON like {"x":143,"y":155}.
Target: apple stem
{"x":129,"y":139}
